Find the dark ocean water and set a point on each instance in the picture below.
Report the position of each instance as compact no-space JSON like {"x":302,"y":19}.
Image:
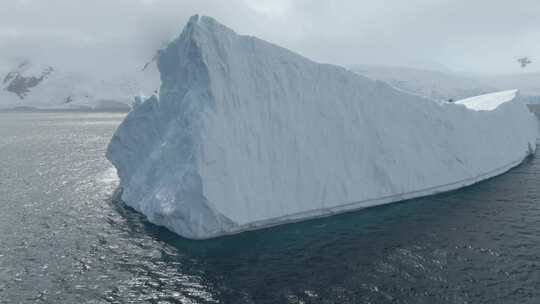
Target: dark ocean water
{"x":64,"y":239}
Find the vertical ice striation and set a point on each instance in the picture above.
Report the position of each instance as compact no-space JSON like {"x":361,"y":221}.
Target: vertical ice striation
{"x":246,"y":134}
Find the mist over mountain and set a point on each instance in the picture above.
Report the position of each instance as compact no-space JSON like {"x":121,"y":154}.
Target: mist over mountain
{"x":448,"y":85}
{"x":30,"y":84}
{"x":461,"y":36}
{"x":88,"y":45}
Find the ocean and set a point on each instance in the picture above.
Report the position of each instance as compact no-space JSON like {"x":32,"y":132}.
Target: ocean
{"x":66,"y":238}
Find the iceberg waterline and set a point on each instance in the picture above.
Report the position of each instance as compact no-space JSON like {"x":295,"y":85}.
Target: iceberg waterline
{"x":246,"y":134}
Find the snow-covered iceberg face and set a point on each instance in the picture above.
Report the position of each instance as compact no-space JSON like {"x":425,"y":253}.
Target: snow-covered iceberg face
{"x":246,"y":134}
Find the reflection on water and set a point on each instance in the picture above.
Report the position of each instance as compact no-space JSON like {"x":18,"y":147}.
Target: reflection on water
{"x":66,"y":239}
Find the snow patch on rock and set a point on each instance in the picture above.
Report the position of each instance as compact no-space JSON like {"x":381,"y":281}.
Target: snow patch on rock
{"x":34,"y":85}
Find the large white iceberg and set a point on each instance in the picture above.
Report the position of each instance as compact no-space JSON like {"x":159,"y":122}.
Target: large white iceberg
{"x":246,"y":134}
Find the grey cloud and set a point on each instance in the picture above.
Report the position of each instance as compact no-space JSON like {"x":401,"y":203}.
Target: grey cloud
{"x":478,"y":36}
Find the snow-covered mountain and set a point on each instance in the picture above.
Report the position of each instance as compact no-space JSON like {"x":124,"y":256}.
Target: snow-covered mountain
{"x":445,"y":85}
{"x":35,"y":85}
{"x":432,"y":84}
{"x":246,"y":134}
{"x":527,"y":84}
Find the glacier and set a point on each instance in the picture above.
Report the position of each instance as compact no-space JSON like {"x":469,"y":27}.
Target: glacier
{"x":245,"y":135}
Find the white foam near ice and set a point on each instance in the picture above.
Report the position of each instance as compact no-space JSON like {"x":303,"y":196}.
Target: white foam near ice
{"x":246,"y":134}
{"x":109,"y":176}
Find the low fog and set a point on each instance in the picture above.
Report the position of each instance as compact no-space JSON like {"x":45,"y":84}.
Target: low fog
{"x":473,"y":37}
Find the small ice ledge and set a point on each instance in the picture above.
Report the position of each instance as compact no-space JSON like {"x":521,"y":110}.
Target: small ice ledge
{"x":488,"y":102}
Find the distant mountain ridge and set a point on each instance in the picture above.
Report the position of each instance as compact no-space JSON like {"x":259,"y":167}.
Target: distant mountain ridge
{"x":444,"y":86}
{"x":28,"y":84}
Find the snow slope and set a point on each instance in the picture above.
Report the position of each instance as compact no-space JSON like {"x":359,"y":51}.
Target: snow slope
{"x":438,"y":85}
{"x":35,"y":85}
{"x":528,"y":85}
{"x":246,"y":134}
{"x":445,"y":85}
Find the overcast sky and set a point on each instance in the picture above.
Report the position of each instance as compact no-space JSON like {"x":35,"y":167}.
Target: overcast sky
{"x":474,"y":36}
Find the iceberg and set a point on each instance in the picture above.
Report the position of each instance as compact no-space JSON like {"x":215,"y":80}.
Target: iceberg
{"x":245,"y":135}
